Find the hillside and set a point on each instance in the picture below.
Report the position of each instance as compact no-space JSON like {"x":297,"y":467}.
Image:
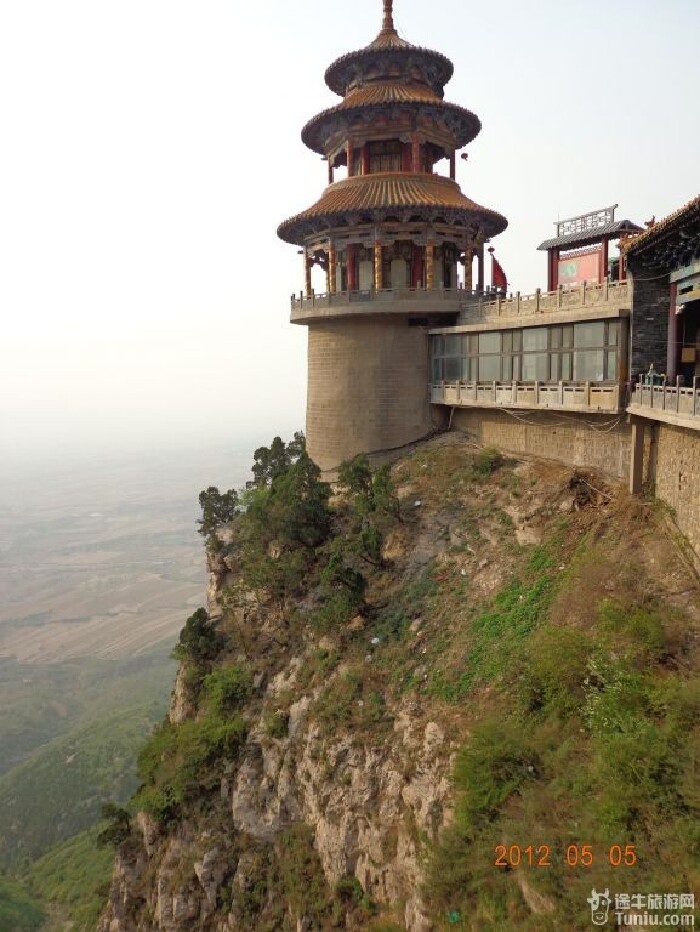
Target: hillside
{"x":462,"y":693}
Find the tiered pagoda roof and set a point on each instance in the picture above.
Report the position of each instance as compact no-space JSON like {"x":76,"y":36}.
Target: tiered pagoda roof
{"x":391,"y":88}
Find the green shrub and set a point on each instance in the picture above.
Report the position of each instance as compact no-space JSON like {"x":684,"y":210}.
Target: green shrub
{"x":226,"y":689}
{"x":277,"y":724}
{"x":199,"y":639}
{"x":178,"y":762}
{"x":118,"y":828}
{"x":486,"y":462}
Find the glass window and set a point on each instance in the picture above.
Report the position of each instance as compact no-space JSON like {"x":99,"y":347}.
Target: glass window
{"x":437,"y":370}
{"x":517,"y":340}
{"x":567,"y":336}
{"x":467,"y":366}
{"x":589,"y":334}
{"x":516,"y":368}
{"x":588,"y":366}
{"x":453,"y":368}
{"x":534,"y":338}
{"x":554,"y":367}
{"x":438,"y":346}
{"x":611,"y":365}
{"x":555,"y":337}
{"x":613,"y":328}
{"x":453,"y":345}
{"x":489,"y":343}
{"x":535,"y":367}
{"x":565,"y":367}
{"x":489,"y":368}
{"x":507,"y":341}
{"x":507,"y":368}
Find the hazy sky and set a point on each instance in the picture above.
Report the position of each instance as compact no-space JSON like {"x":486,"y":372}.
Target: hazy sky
{"x":151,"y":147}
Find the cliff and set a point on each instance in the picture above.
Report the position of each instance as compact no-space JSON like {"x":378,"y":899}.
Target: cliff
{"x":331,"y":725}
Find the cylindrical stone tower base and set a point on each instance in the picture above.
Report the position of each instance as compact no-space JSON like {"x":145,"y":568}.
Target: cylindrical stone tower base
{"x":367,"y":387}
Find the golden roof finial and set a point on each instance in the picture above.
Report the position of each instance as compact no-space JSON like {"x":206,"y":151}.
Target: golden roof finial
{"x":388,"y":22}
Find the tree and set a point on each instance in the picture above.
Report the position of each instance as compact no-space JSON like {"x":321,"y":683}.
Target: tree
{"x":218,"y":509}
{"x":199,"y":639}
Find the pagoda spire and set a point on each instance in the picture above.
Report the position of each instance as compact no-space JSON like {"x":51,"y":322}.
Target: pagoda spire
{"x":388,"y":21}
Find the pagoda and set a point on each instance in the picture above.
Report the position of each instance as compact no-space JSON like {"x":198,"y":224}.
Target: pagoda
{"x":390,"y":234}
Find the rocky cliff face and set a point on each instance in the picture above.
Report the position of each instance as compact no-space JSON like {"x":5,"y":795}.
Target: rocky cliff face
{"x":368,"y":804}
{"x":324,"y":815}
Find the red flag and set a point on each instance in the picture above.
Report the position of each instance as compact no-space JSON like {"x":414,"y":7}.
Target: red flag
{"x":498,"y":276}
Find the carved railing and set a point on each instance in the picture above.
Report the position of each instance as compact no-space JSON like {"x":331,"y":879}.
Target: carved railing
{"x":569,"y":396}
{"x":658,"y":396}
{"x":473,"y":306}
{"x":578,"y":297}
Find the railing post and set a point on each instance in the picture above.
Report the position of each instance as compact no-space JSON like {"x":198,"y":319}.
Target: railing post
{"x":517,"y":303}
{"x":494,"y":391}
{"x":537,"y":392}
{"x":695,"y":395}
{"x":537,"y":300}
{"x":606,"y":288}
{"x":663,"y":394}
{"x":514,"y":389}
{"x":678,"y":394}
{"x":583,"y":293}
{"x":459,"y":391}
{"x":588,"y":394}
{"x":561,"y":393}
{"x":498,"y":306}
{"x":560,"y":288}
{"x":476,"y":398}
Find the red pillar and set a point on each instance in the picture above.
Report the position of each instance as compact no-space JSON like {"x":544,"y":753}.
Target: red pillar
{"x":672,"y":348}
{"x":453,"y":165}
{"x":351,"y":267}
{"x":480,"y":269}
{"x":604,"y":270}
{"x":348,"y":155}
{"x":365,"y":159}
{"x":417,"y":266}
{"x":415,"y":148}
{"x":406,"y":157}
{"x":553,"y":269}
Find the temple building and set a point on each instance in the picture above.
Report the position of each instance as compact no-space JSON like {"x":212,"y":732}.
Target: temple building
{"x":397,"y":240}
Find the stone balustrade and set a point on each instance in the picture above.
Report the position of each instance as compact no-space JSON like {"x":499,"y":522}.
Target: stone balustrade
{"x":471,"y":307}
{"x":671,"y":403}
{"x":591,"y":397}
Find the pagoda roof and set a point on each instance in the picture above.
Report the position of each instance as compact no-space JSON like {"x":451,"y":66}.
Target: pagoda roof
{"x":665,"y":228}
{"x":595,"y":235}
{"x":379,"y":194}
{"x":465,"y":124}
{"x":393,"y":49}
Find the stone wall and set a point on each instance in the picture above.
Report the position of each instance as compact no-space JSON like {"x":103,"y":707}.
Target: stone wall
{"x":649,"y":328}
{"x":367,"y":387}
{"x":673,"y":471}
{"x":590,"y":441}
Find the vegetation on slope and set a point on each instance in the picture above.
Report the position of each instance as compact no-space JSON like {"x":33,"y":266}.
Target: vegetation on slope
{"x":537,"y":612}
{"x":60,"y":790}
{"x":19,"y":911}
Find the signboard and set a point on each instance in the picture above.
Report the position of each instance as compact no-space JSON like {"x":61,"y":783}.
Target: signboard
{"x":586,"y":223}
{"x":583,"y":267}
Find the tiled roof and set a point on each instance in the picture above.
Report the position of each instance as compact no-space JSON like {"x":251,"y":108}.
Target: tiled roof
{"x":368,"y":193}
{"x":666,"y":225}
{"x":591,"y":236}
{"x":379,"y":95}
{"x":384,"y":93}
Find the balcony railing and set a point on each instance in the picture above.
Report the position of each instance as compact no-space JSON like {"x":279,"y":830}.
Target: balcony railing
{"x":569,"y":396}
{"x":472,"y":306}
{"x":667,"y":402}
{"x":578,"y":297}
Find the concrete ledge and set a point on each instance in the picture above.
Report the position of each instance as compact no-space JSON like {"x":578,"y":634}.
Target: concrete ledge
{"x":665,"y":417}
